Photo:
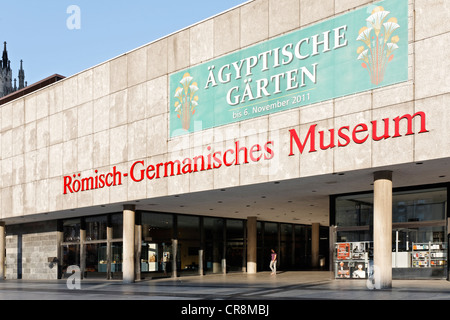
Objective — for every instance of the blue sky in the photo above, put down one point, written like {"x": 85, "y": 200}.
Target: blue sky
{"x": 37, "y": 32}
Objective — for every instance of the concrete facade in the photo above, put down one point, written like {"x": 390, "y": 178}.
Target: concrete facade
{"x": 117, "y": 112}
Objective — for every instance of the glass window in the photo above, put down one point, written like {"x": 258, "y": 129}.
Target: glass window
{"x": 189, "y": 241}
{"x": 214, "y": 236}
{"x": 270, "y": 242}
{"x": 260, "y": 245}
{"x": 117, "y": 225}
{"x": 302, "y": 245}
{"x": 354, "y": 210}
{"x": 188, "y": 227}
{"x": 426, "y": 205}
{"x": 96, "y": 228}
{"x": 157, "y": 226}
{"x": 419, "y": 237}
{"x": 235, "y": 230}
{"x": 157, "y": 234}
{"x": 235, "y": 245}
{"x": 92, "y": 258}
{"x": 103, "y": 257}
{"x": 356, "y": 235}
{"x": 271, "y": 236}
{"x": 286, "y": 250}
{"x": 71, "y": 256}
{"x": 117, "y": 256}
{"x": 71, "y": 230}
{"x": 407, "y": 206}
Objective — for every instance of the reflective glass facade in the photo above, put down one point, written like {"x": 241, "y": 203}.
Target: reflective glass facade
{"x": 180, "y": 244}
{"x": 419, "y": 228}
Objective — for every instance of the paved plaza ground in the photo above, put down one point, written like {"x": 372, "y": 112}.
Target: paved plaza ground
{"x": 233, "y": 286}
{"x": 230, "y": 296}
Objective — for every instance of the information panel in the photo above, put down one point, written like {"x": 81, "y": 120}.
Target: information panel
{"x": 354, "y": 52}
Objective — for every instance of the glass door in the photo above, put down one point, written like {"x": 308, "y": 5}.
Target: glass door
{"x": 402, "y": 246}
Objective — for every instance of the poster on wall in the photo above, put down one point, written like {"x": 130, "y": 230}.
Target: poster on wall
{"x": 359, "y": 270}
{"x": 343, "y": 270}
{"x": 358, "y": 250}
{"x": 343, "y": 251}
{"x": 354, "y": 52}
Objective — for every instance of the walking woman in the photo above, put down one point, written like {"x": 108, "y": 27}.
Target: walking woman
{"x": 273, "y": 262}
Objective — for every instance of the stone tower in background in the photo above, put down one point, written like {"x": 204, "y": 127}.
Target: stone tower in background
{"x": 6, "y": 79}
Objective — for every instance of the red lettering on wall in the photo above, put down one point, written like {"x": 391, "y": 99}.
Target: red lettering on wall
{"x": 359, "y": 133}
{"x": 300, "y": 145}
{"x": 237, "y": 155}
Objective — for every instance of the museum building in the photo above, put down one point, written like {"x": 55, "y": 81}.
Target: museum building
{"x": 317, "y": 129}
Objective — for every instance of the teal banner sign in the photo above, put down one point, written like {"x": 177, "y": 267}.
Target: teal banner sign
{"x": 355, "y": 52}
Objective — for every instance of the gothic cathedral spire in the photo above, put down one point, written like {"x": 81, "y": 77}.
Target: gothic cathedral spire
{"x": 6, "y": 80}
{"x": 21, "y": 76}
{"x": 4, "y": 57}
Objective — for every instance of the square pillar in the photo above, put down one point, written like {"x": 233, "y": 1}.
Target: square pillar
{"x": 251, "y": 244}
{"x": 138, "y": 251}
{"x": 128, "y": 244}
{"x": 174, "y": 258}
{"x": 83, "y": 248}
{"x": 382, "y": 229}
{"x": 315, "y": 240}
{"x": 109, "y": 236}
{"x": 201, "y": 250}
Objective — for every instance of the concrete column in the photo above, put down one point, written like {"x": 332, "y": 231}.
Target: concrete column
{"x": 109, "y": 236}
{"x": 382, "y": 229}
{"x": 315, "y": 245}
{"x": 244, "y": 251}
{"x": 251, "y": 245}
{"x": 137, "y": 246}
{"x": 138, "y": 251}
{"x": 217, "y": 238}
{"x": 200, "y": 262}
{"x": 217, "y": 267}
{"x": 331, "y": 248}
{"x": 174, "y": 258}
{"x": 293, "y": 246}
{"x": 59, "y": 253}
{"x": 2, "y": 251}
{"x": 224, "y": 248}
{"x": 201, "y": 259}
{"x": 128, "y": 243}
{"x": 82, "y": 248}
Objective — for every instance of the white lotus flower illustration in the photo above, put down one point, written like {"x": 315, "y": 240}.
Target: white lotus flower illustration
{"x": 364, "y": 55}
{"x": 379, "y": 51}
{"x": 391, "y": 47}
{"x": 364, "y": 36}
{"x": 389, "y": 27}
{"x": 185, "y": 81}
{"x": 179, "y": 93}
{"x": 376, "y": 20}
{"x": 187, "y": 100}
{"x": 193, "y": 88}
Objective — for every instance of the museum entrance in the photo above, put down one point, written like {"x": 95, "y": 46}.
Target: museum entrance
{"x": 178, "y": 244}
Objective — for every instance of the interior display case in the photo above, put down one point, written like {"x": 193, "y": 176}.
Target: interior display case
{"x": 429, "y": 255}
{"x": 352, "y": 259}
{"x": 149, "y": 257}
{"x": 116, "y": 261}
